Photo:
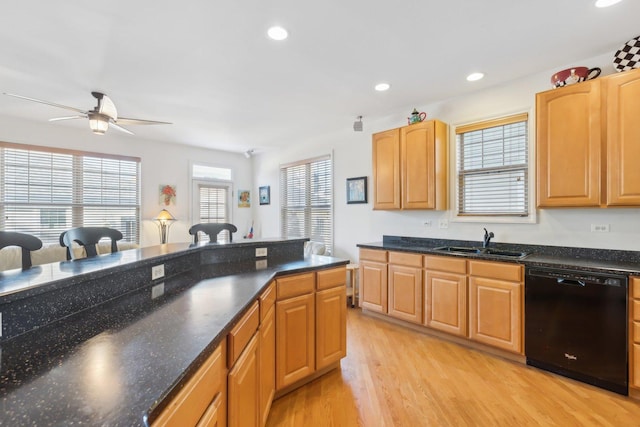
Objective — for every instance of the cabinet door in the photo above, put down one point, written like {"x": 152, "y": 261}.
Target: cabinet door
{"x": 445, "y": 302}
{"x": 623, "y": 134}
{"x": 405, "y": 293}
{"x": 386, "y": 170}
{"x": 373, "y": 284}
{"x": 267, "y": 363}
{"x": 569, "y": 145}
{"x": 331, "y": 326}
{"x": 295, "y": 339}
{"x": 243, "y": 382}
{"x": 495, "y": 313}
{"x": 423, "y": 165}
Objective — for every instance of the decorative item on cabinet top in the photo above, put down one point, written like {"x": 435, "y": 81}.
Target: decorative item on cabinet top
{"x": 416, "y": 117}
{"x": 574, "y": 75}
{"x": 628, "y": 56}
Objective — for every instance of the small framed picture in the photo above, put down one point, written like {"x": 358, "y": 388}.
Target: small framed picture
{"x": 265, "y": 195}
{"x": 357, "y": 190}
{"x": 244, "y": 199}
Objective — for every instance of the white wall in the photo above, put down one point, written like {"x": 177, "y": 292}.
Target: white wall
{"x": 162, "y": 163}
{"x": 360, "y": 223}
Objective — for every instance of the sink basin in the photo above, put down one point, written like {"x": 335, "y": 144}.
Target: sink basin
{"x": 482, "y": 251}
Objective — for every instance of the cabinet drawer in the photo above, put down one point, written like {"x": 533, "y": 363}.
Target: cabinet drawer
{"x": 189, "y": 405}
{"x": 496, "y": 270}
{"x": 443, "y": 263}
{"x": 242, "y": 333}
{"x": 404, "y": 258}
{"x": 298, "y": 284}
{"x": 331, "y": 278}
{"x": 635, "y": 306}
{"x": 373, "y": 255}
{"x": 634, "y": 284}
{"x": 636, "y": 332}
{"x": 267, "y": 300}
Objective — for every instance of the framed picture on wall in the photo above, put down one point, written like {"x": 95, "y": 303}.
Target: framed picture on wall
{"x": 265, "y": 195}
{"x": 357, "y": 190}
{"x": 244, "y": 199}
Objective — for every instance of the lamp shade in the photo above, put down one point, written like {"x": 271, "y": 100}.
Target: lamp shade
{"x": 98, "y": 123}
{"x": 164, "y": 216}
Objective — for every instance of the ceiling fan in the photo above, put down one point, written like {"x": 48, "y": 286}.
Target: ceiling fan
{"x": 100, "y": 118}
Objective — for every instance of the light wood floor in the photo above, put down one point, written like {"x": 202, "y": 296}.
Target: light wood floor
{"x": 393, "y": 376}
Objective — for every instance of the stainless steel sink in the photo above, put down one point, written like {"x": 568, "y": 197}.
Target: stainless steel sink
{"x": 482, "y": 251}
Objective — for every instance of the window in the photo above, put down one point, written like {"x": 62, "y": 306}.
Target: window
{"x": 45, "y": 191}
{"x": 306, "y": 198}
{"x": 493, "y": 171}
{"x": 212, "y": 194}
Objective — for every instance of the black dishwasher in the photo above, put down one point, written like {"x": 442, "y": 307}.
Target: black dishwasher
{"x": 576, "y": 325}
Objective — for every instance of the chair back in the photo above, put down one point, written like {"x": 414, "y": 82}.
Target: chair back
{"x": 27, "y": 242}
{"x": 89, "y": 237}
{"x": 212, "y": 230}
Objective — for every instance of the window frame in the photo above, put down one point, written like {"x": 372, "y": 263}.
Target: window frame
{"x": 196, "y": 182}
{"x": 329, "y": 244}
{"x": 454, "y": 215}
{"x": 76, "y": 205}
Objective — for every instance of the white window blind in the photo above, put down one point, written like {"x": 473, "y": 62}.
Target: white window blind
{"x": 45, "y": 191}
{"x": 213, "y": 207}
{"x": 306, "y": 198}
{"x": 493, "y": 167}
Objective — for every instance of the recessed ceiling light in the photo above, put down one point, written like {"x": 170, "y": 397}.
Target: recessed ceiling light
{"x": 606, "y": 3}
{"x": 475, "y": 77}
{"x": 381, "y": 87}
{"x": 277, "y": 33}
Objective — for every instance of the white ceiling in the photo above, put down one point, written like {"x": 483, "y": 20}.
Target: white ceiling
{"x": 208, "y": 67}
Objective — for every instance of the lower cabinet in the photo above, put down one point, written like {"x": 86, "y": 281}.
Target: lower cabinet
{"x": 331, "y": 318}
{"x": 445, "y": 296}
{"x": 495, "y": 304}
{"x": 202, "y": 401}
{"x": 267, "y": 332}
{"x": 243, "y": 383}
{"x": 634, "y": 335}
{"x": 405, "y": 286}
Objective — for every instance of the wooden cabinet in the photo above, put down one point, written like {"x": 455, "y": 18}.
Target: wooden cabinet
{"x": 295, "y": 328}
{"x": 634, "y": 335}
{"x": 495, "y": 304}
{"x": 267, "y": 366}
{"x": 410, "y": 167}
{"x": 373, "y": 280}
{"x": 405, "y": 286}
{"x": 587, "y": 137}
{"x": 445, "y": 297}
{"x": 623, "y": 134}
{"x": 386, "y": 169}
{"x": 202, "y": 400}
{"x": 243, "y": 383}
{"x": 311, "y": 331}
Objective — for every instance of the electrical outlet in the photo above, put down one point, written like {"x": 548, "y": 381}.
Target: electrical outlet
{"x": 157, "y": 271}
{"x": 261, "y": 252}
{"x": 444, "y": 223}
{"x": 157, "y": 290}
{"x": 0, "y": 324}
{"x": 599, "y": 228}
{"x": 427, "y": 224}
{"x": 261, "y": 264}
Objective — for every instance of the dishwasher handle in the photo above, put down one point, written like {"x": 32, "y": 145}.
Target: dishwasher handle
{"x": 572, "y": 282}
{"x": 578, "y": 278}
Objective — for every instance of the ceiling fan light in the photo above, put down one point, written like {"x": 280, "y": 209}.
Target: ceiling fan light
{"x": 98, "y": 124}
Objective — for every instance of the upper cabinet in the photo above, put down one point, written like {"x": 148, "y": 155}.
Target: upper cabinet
{"x": 410, "y": 167}
{"x": 587, "y": 142}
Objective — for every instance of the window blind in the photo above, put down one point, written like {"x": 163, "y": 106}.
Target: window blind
{"x": 45, "y": 191}
{"x": 493, "y": 167}
{"x": 213, "y": 208}
{"x": 306, "y": 199}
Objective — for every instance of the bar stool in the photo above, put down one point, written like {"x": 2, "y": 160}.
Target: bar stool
{"x": 27, "y": 242}
{"x": 352, "y": 283}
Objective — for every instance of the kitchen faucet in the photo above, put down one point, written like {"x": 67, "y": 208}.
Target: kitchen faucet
{"x": 487, "y": 238}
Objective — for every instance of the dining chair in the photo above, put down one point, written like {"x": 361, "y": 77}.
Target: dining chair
{"x": 27, "y": 242}
{"x": 212, "y": 229}
{"x": 88, "y": 237}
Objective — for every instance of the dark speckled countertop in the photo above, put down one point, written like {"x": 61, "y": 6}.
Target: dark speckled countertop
{"x": 112, "y": 365}
{"x": 586, "y": 259}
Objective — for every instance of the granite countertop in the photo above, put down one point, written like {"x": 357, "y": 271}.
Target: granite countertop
{"x": 584, "y": 259}
{"x": 115, "y": 363}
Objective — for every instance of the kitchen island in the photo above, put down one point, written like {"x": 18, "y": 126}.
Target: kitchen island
{"x": 117, "y": 358}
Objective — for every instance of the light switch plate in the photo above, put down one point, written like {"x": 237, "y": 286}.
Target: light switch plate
{"x": 599, "y": 228}
{"x": 261, "y": 252}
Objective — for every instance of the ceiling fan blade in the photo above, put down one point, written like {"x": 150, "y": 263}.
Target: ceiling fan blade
{"x": 106, "y": 105}
{"x": 47, "y": 102}
{"x": 126, "y": 121}
{"x": 120, "y": 128}
{"x": 56, "y": 119}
